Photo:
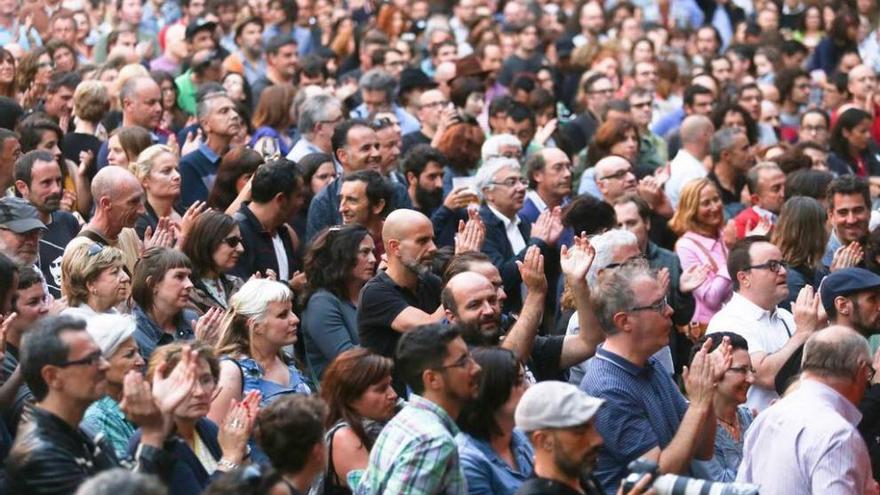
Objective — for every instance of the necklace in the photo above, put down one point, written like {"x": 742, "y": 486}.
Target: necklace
{"x": 731, "y": 427}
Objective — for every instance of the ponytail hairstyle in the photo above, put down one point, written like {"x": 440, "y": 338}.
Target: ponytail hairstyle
{"x": 248, "y": 307}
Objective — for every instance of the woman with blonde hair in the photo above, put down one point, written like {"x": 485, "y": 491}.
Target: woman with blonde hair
{"x": 699, "y": 221}
{"x": 156, "y": 169}
{"x": 272, "y": 119}
{"x": 801, "y": 236}
{"x": 94, "y": 279}
{"x": 259, "y": 324}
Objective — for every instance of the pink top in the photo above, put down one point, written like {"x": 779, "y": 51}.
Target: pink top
{"x": 696, "y": 249}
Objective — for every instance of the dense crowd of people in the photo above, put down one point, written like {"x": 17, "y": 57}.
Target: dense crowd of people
{"x": 439, "y": 247}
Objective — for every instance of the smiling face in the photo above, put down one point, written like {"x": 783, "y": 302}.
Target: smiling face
{"x": 849, "y": 216}
{"x": 710, "y": 211}
{"x": 508, "y": 192}
{"x": 737, "y": 380}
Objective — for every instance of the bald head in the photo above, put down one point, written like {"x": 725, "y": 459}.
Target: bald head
{"x": 111, "y": 180}
{"x": 401, "y": 223}
{"x": 836, "y": 352}
{"x": 468, "y": 282}
{"x": 471, "y": 301}
{"x": 610, "y": 164}
{"x": 696, "y": 128}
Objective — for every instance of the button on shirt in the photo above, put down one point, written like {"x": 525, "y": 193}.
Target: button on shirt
{"x": 764, "y": 331}
{"x": 643, "y": 409}
{"x": 415, "y": 454}
{"x": 808, "y": 443}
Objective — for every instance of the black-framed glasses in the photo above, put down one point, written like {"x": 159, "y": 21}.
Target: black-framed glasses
{"x": 91, "y": 360}
{"x": 772, "y": 265}
{"x": 638, "y": 259}
{"x": 441, "y": 103}
{"x": 461, "y": 362}
{"x": 383, "y": 123}
{"x": 657, "y": 307}
{"x": 95, "y": 249}
{"x": 643, "y": 104}
{"x": 513, "y": 181}
{"x": 620, "y": 174}
{"x": 233, "y": 241}
{"x": 743, "y": 370}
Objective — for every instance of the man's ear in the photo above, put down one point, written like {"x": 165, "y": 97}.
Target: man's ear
{"x": 411, "y": 179}
{"x": 449, "y": 315}
{"x": 22, "y": 188}
{"x": 50, "y": 376}
{"x": 843, "y": 306}
{"x": 620, "y": 320}
{"x": 391, "y": 245}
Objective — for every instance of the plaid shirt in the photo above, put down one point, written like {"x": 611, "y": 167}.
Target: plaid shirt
{"x": 415, "y": 454}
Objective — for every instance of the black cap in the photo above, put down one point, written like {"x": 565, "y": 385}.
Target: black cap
{"x": 412, "y": 78}
{"x": 846, "y": 281}
{"x": 199, "y": 25}
{"x": 19, "y": 216}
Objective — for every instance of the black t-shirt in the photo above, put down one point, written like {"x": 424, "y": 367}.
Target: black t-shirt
{"x": 412, "y": 139}
{"x": 61, "y": 230}
{"x": 728, "y": 197}
{"x": 546, "y": 354}
{"x": 75, "y": 142}
{"x": 382, "y": 300}
{"x": 544, "y": 486}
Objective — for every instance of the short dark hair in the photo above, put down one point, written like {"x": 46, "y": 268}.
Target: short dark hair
{"x": 418, "y": 157}
{"x": 461, "y": 263}
{"x": 289, "y": 428}
{"x": 846, "y": 185}
{"x": 641, "y": 205}
{"x": 42, "y": 346}
{"x": 500, "y": 104}
{"x": 811, "y": 183}
{"x": 32, "y": 129}
{"x": 243, "y": 24}
{"x": 588, "y": 214}
{"x": 378, "y": 188}
{"x": 150, "y": 269}
{"x": 208, "y": 231}
{"x": 340, "y": 134}
{"x": 462, "y": 87}
{"x": 519, "y": 112}
{"x": 313, "y": 65}
{"x": 737, "y": 342}
{"x": 421, "y": 349}
{"x": 69, "y": 80}
{"x": 500, "y": 374}
{"x": 785, "y": 79}
{"x": 277, "y": 43}
{"x": 24, "y": 166}
{"x": 691, "y": 92}
{"x": 278, "y": 176}
{"x": 793, "y": 47}
{"x": 739, "y": 259}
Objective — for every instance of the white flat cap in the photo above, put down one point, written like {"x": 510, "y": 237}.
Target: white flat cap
{"x": 553, "y": 404}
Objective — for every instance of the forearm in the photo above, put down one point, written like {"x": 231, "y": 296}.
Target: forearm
{"x": 714, "y": 291}
{"x": 706, "y": 447}
{"x": 590, "y": 332}
{"x": 676, "y": 457}
{"x": 10, "y": 387}
{"x": 521, "y": 336}
{"x": 767, "y": 367}
{"x": 83, "y": 195}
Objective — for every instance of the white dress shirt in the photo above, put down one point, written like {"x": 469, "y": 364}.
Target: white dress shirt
{"x": 808, "y": 443}
{"x": 682, "y": 169}
{"x": 511, "y": 228}
{"x": 764, "y": 331}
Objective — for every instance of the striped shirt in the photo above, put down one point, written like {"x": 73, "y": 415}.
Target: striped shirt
{"x": 415, "y": 454}
{"x": 808, "y": 443}
{"x": 643, "y": 409}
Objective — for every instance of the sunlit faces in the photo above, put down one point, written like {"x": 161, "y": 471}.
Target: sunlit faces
{"x": 508, "y": 191}
{"x": 163, "y": 181}
{"x": 737, "y": 380}
{"x": 228, "y": 252}
{"x": 417, "y": 248}
{"x": 555, "y": 176}
{"x": 760, "y": 278}
{"x": 110, "y": 287}
{"x": 31, "y": 305}
{"x": 85, "y": 381}
{"x": 115, "y": 153}
{"x": 197, "y": 404}
{"x": 377, "y": 402}
{"x": 45, "y": 189}
{"x": 710, "y": 211}
{"x": 279, "y": 325}
{"x": 126, "y": 358}
{"x": 173, "y": 290}
{"x": 354, "y": 205}
{"x": 849, "y": 216}
{"x": 365, "y": 265}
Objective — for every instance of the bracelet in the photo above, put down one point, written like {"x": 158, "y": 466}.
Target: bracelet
{"x": 226, "y": 465}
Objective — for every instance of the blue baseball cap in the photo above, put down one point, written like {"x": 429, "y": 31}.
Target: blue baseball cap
{"x": 846, "y": 281}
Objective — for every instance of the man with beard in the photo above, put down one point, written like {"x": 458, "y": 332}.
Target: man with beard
{"x": 38, "y": 180}
{"x": 849, "y": 211}
{"x": 423, "y": 169}
{"x": 508, "y": 235}
{"x": 248, "y": 58}
{"x": 406, "y": 294}
{"x": 20, "y": 230}
{"x": 549, "y": 173}
{"x": 356, "y": 147}
{"x": 416, "y": 452}
{"x": 773, "y": 334}
{"x": 645, "y": 413}
{"x": 558, "y": 418}
{"x": 220, "y": 122}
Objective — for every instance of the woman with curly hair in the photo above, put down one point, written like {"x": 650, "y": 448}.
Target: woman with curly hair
{"x": 461, "y": 144}
{"x": 33, "y": 76}
{"x": 392, "y": 21}
{"x": 338, "y": 264}
{"x": 731, "y": 115}
{"x": 360, "y": 400}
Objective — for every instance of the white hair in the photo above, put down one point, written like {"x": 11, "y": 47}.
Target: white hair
{"x": 492, "y": 146}
{"x": 110, "y": 330}
{"x": 605, "y": 244}
{"x": 253, "y": 298}
{"x": 486, "y": 173}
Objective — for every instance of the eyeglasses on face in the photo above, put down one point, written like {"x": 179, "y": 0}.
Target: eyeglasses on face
{"x": 620, "y": 174}
{"x": 91, "y": 360}
{"x": 513, "y": 181}
{"x": 463, "y": 362}
{"x": 772, "y": 265}
{"x": 657, "y": 307}
{"x": 638, "y": 259}
{"x": 233, "y": 241}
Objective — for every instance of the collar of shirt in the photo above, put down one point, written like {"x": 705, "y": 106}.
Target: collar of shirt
{"x": 208, "y": 152}
{"x": 749, "y": 309}
{"x": 536, "y": 199}
{"x": 419, "y": 402}
{"x": 837, "y": 401}
{"x": 506, "y": 221}
{"x": 765, "y": 213}
{"x": 624, "y": 364}
{"x": 145, "y": 322}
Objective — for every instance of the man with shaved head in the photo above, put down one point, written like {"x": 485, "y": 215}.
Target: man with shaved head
{"x": 119, "y": 201}
{"x": 696, "y": 135}
{"x": 405, "y": 295}
{"x": 141, "y": 102}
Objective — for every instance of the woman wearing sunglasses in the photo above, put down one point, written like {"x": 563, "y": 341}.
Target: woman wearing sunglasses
{"x": 213, "y": 246}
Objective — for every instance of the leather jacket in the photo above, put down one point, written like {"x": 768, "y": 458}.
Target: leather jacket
{"x": 49, "y": 457}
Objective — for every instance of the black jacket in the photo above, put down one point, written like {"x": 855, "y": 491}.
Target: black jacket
{"x": 50, "y": 457}
{"x": 544, "y": 486}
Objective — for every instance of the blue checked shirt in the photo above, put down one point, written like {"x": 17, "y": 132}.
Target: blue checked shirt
{"x": 415, "y": 454}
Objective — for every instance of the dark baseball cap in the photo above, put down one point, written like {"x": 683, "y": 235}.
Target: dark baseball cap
{"x": 199, "y": 25}
{"x": 19, "y": 216}
{"x": 846, "y": 281}
{"x": 412, "y": 78}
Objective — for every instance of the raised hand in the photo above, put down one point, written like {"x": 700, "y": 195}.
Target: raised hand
{"x": 237, "y": 427}
{"x": 85, "y": 161}
{"x": 576, "y": 260}
{"x": 531, "y": 269}
{"x": 138, "y": 404}
{"x": 663, "y": 278}
{"x": 192, "y": 142}
{"x": 298, "y": 282}
{"x": 761, "y": 227}
{"x": 722, "y": 358}
{"x": 693, "y": 277}
{"x": 806, "y": 310}
{"x": 651, "y": 190}
{"x": 541, "y": 227}
{"x": 170, "y": 392}
{"x": 4, "y": 329}
{"x": 471, "y": 234}
{"x": 161, "y": 237}
{"x": 189, "y": 220}
{"x": 68, "y": 199}
{"x": 544, "y": 133}
{"x": 847, "y": 256}
{"x": 699, "y": 378}
{"x": 207, "y": 328}
{"x": 729, "y": 233}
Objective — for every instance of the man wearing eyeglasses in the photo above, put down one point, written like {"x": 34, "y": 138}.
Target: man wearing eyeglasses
{"x": 645, "y": 414}
{"x": 652, "y": 148}
{"x": 772, "y": 333}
